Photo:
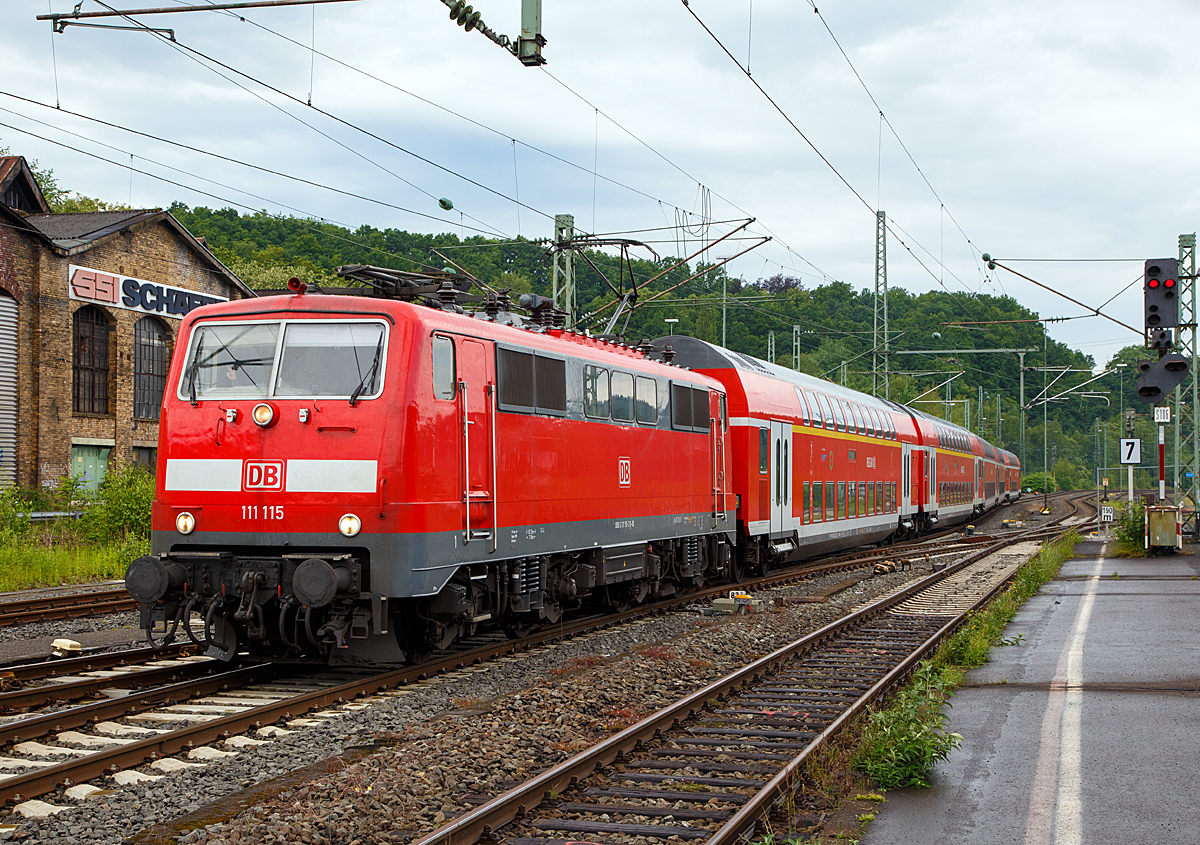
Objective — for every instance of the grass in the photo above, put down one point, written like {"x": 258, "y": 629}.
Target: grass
{"x": 113, "y": 530}
{"x": 901, "y": 744}
{"x": 27, "y": 565}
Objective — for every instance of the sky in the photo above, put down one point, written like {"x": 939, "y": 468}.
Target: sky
{"x": 1057, "y": 137}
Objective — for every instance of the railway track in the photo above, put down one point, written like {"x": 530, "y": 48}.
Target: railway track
{"x": 186, "y": 704}
{"x": 64, "y": 606}
{"x": 716, "y": 762}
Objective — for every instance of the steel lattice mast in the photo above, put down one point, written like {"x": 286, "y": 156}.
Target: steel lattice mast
{"x": 1187, "y": 397}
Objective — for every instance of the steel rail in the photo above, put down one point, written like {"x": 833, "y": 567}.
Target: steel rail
{"x": 68, "y": 606}
{"x": 39, "y": 669}
{"x": 72, "y": 690}
{"x": 484, "y": 820}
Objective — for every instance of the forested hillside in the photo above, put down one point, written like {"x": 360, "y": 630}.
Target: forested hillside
{"x": 834, "y": 320}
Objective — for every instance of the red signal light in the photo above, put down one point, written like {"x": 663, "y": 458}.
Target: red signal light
{"x": 1168, "y": 283}
{"x": 1152, "y": 283}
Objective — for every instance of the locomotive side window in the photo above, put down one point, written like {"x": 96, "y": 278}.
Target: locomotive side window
{"x": 595, "y": 391}
{"x": 551, "y": 376}
{"x": 681, "y": 407}
{"x": 515, "y": 379}
{"x": 764, "y": 451}
{"x": 444, "y": 381}
{"x": 529, "y": 382}
{"x": 622, "y": 397}
{"x": 647, "y": 400}
{"x": 724, "y": 413}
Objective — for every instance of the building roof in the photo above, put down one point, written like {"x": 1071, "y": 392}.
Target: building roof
{"x": 83, "y": 227}
{"x": 19, "y": 189}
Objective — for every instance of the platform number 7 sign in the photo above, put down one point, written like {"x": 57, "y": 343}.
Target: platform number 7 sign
{"x": 1131, "y": 450}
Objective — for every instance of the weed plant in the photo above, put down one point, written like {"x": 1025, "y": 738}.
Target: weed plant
{"x": 1129, "y": 529}
{"x": 113, "y": 530}
{"x": 901, "y": 744}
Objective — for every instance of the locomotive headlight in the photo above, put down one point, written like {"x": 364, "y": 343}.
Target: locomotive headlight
{"x": 263, "y": 414}
{"x": 349, "y": 525}
{"x": 185, "y": 523}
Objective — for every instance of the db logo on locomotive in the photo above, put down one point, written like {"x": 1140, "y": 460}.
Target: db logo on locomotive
{"x": 623, "y": 472}
{"x": 262, "y": 475}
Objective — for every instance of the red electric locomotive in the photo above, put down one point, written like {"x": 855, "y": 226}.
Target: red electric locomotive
{"x": 368, "y": 479}
{"x": 371, "y": 479}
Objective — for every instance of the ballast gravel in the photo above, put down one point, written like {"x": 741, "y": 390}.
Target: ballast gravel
{"x": 468, "y": 735}
{"x": 443, "y": 743}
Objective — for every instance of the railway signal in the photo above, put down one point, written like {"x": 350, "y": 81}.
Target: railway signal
{"x": 1161, "y": 287}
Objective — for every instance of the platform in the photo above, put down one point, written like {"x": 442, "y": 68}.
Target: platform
{"x": 1087, "y": 731}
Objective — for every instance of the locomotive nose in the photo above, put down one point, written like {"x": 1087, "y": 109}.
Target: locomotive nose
{"x": 148, "y": 579}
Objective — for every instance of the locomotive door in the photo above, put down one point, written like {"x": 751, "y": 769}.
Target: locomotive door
{"x": 716, "y": 453}
{"x": 477, "y": 397}
{"x": 781, "y": 475}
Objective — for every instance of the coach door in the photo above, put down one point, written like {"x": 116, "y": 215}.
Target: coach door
{"x": 781, "y": 475}
{"x": 477, "y": 402}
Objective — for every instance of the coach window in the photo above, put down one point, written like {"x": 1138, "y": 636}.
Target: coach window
{"x": 807, "y": 503}
{"x": 803, "y": 405}
{"x": 851, "y": 503}
{"x": 870, "y": 421}
{"x": 830, "y": 500}
{"x": 858, "y": 419}
{"x": 818, "y": 504}
{"x": 862, "y": 498}
{"x": 764, "y": 450}
{"x": 647, "y": 400}
{"x": 90, "y": 371}
{"x": 888, "y": 428}
{"x": 595, "y": 391}
{"x": 443, "y": 368}
{"x": 815, "y": 408}
{"x": 872, "y": 506}
{"x": 838, "y": 415}
{"x": 841, "y": 500}
{"x": 622, "y": 396}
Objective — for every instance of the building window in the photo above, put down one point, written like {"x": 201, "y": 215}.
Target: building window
{"x": 146, "y": 457}
{"x": 90, "y": 382}
{"x": 150, "y": 357}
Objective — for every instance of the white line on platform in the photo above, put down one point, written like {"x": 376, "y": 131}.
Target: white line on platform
{"x": 1059, "y": 759}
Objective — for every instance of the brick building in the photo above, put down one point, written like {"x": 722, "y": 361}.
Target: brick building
{"x": 90, "y": 305}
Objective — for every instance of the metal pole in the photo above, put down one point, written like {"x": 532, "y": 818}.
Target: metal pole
{"x": 881, "y": 344}
{"x": 1045, "y": 421}
{"x": 563, "y": 282}
{"x": 1021, "y": 357}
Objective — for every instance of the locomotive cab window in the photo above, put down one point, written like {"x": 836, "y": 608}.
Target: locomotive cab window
{"x": 444, "y": 381}
{"x": 286, "y": 359}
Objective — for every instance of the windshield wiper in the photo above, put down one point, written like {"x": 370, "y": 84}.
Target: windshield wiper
{"x": 195, "y": 367}
{"x": 370, "y": 374}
